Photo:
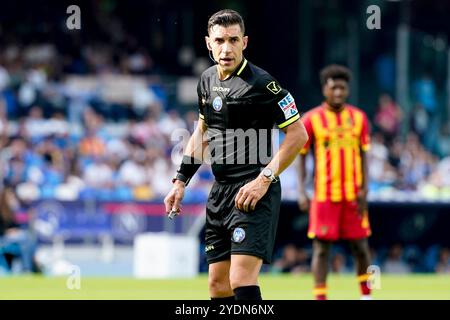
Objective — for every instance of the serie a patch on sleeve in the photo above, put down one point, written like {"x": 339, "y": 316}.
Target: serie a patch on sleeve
{"x": 273, "y": 87}
{"x": 287, "y": 104}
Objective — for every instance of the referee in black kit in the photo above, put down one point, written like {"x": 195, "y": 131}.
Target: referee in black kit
{"x": 239, "y": 104}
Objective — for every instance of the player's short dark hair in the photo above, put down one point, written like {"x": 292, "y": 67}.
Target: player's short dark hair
{"x": 335, "y": 71}
{"x": 226, "y": 18}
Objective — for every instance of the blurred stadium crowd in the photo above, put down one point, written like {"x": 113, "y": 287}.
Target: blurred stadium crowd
{"x": 396, "y": 259}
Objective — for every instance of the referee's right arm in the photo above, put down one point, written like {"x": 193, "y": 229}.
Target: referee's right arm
{"x": 197, "y": 143}
{"x": 192, "y": 159}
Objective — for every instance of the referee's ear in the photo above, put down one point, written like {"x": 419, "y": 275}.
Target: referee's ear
{"x": 208, "y": 45}
{"x": 245, "y": 41}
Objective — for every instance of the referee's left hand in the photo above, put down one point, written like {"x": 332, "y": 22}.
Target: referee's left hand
{"x": 249, "y": 195}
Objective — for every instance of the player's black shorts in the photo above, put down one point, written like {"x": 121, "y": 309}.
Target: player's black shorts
{"x": 231, "y": 231}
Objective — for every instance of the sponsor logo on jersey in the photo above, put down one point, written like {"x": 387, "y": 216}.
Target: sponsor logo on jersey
{"x": 287, "y": 104}
{"x": 273, "y": 87}
{"x": 220, "y": 89}
{"x": 209, "y": 248}
{"x": 238, "y": 235}
{"x": 217, "y": 103}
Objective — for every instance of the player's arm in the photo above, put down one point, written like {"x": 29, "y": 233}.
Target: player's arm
{"x": 303, "y": 200}
{"x": 192, "y": 160}
{"x": 362, "y": 193}
{"x": 364, "y": 148}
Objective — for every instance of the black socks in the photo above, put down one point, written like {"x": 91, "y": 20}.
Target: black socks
{"x": 242, "y": 293}
{"x": 247, "y": 293}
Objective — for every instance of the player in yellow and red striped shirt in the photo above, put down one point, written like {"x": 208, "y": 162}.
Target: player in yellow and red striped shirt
{"x": 339, "y": 138}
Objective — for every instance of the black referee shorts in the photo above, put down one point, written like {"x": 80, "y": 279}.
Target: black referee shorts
{"x": 231, "y": 231}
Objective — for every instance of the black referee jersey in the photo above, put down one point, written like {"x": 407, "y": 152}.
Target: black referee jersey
{"x": 240, "y": 113}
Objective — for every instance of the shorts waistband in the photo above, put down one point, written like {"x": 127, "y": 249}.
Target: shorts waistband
{"x": 237, "y": 180}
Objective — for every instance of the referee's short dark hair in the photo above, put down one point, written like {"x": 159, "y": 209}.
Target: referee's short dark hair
{"x": 335, "y": 71}
{"x": 226, "y": 18}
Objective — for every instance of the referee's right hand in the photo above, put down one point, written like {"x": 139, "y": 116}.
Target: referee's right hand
{"x": 173, "y": 199}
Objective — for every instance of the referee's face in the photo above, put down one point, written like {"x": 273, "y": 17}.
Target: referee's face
{"x": 227, "y": 45}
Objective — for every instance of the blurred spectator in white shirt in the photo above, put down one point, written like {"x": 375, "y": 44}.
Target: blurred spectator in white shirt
{"x": 171, "y": 122}
{"x": 99, "y": 174}
{"x": 380, "y": 170}
{"x": 132, "y": 172}
{"x": 160, "y": 170}
{"x": 35, "y": 124}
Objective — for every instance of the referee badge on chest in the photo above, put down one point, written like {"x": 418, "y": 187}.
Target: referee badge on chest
{"x": 217, "y": 103}
{"x": 238, "y": 235}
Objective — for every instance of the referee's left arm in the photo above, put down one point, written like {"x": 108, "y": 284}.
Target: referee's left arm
{"x": 282, "y": 106}
{"x": 249, "y": 195}
{"x": 295, "y": 139}
{"x": 284, "y": 110}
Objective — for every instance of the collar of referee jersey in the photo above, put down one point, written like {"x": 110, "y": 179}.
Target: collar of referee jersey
{"x": 239, "y": 69}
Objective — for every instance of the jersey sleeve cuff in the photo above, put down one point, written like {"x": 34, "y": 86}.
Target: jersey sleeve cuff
{"x": 289, "y": 121}
{"x": 201, "y": 116}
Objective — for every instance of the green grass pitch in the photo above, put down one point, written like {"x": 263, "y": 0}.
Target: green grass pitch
{"x": 274, "y": 287}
